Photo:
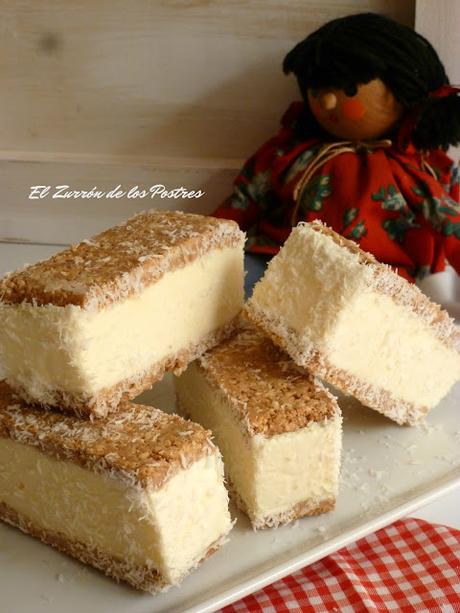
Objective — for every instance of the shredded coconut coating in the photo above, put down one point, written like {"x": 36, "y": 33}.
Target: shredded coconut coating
{"x": 121, "y": 261}
{"x": 267, "y": 391}
{"x": 140, "y": 445}
{"x": 386, "y": 281}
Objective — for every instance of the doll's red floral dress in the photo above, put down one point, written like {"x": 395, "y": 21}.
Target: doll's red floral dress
{"x": 397, "y": 203}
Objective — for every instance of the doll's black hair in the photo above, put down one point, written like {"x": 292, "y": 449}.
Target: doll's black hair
{"x": 353, "y": 50}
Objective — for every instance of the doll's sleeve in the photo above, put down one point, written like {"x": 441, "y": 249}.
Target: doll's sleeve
{"x": 243, "y": 203}
{"x": 451, "y": 229}
{"x": 454, "y": 182}
{"x": 253, "y": 189}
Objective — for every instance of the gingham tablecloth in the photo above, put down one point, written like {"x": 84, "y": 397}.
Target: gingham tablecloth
{"x": 410, "y": 566}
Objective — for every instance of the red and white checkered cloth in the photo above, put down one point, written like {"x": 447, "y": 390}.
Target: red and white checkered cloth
{"x": 410, "y": 566}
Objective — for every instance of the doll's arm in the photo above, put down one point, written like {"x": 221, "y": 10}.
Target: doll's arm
{"x": 252, "y": 190}
{"x": 452, "y": 227}
{"x": 242, "y": 205}
{"x": 454, "y": 184}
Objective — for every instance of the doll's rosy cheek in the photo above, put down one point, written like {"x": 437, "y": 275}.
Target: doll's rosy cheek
{"x": 353, "y": 109}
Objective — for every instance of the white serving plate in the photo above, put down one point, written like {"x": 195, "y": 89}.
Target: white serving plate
{"x": 388, "y": 471}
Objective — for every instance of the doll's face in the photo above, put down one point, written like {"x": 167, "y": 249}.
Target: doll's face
{"x": 370, "y": 113}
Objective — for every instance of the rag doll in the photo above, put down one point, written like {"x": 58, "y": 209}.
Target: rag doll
{"x": 364, "y": 151}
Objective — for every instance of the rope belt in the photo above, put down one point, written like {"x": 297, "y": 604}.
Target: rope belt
{"x": 325, "y": 153}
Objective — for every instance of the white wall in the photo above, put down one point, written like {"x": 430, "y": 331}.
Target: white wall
{"x": 178, "y": 92}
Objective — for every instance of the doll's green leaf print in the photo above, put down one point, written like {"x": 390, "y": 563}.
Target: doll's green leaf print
{"x": 300, "y": 164}
{"x": 451, "y": 228}
{"x": 358, "y": 231}
{"x": 255, "y": 189}
{"x": 349, "y": 216}
{"x": 438, "y": 211}
{"x": 397, "y": 228}
{"x": 390, "y": 198}
{"x": 315, "y": 192}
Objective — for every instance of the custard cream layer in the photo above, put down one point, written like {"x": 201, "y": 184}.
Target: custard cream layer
{"x": 81, "y": 351}
{"x": 270, "y": 474}
{"x": 168, "y": 530}
{"x": 320, "y": 291}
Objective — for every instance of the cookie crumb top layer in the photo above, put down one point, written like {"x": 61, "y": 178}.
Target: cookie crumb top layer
{"x": 268, "y": 392}
{"x": 120, "y": 261}
{"x": 141, "y": 445}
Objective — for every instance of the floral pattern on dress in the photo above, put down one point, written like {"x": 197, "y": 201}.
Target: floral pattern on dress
{"x": 315, "y": 192}
{"x": 396, "y": 203}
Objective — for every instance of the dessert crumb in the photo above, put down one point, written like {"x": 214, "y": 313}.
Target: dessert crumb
{"x": 60, "y": 577}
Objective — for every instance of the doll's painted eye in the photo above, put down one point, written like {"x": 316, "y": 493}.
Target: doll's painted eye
{"x": 329, "y": 101}
{"x": 350, "y": 91}
{"x": 314, "y": 92}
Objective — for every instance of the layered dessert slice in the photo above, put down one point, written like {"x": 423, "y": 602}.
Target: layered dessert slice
{"x": 358, "y": 325}
{"x": 278, "y": 428}
{"x": 139, "y": 495}
{"x": 104, "y": 319}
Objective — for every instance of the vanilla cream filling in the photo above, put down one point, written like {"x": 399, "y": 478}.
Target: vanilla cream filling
{"x": 168, "y": 530}
{"x": 81, "y": 351}
{"x": 297, "y": 466}
{"x": 320, "y": 291}
{"x": 387, "y": 345}
{"x": 270, "y": 474}
{"x": 205, "y": 405}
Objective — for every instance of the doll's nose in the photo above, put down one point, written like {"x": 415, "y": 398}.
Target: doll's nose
{"x": 328, "y": 101}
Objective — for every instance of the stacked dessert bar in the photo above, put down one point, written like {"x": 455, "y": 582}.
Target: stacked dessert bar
{"x": 129, "y": 489}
